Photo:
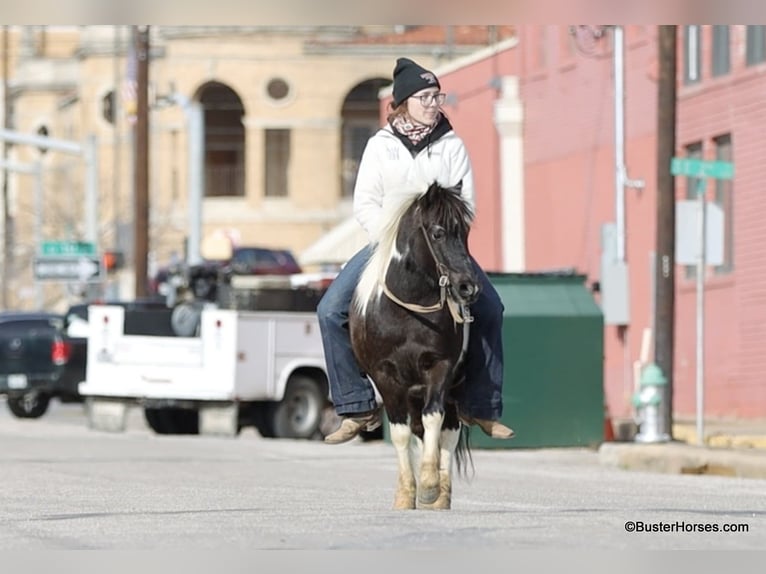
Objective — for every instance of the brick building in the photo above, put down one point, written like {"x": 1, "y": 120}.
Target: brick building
{"x": 566, "y": 84}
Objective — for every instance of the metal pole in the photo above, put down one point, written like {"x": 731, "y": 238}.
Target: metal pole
{"x": 91, "y": 190}
{"x": 196, "y": 164}
{"x": 39, "y": 206}
{"x": 701, "y": 267}
{"x": 619, "y": 140}
{"x": 195, "y": 134}
{"x": 42, "y": 142}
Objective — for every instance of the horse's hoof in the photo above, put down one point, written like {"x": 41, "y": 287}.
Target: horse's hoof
{"x": 442, "y": 503}
{"x": 404, "y": 503}
{"x": 428, "y": 495}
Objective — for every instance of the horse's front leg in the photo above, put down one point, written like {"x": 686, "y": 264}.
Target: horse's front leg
{"x": 433, "y": 417}
{"x": 405, "y": 486}
{"x": 428, "y": 489}
{"x": 449, "y": 440}
{"x": 401, "y": 435}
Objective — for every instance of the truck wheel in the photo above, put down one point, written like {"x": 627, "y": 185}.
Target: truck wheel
{"x": 299, "y": 413}
{"x": 29, "y": 406}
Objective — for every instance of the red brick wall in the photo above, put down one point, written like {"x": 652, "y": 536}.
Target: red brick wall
{"x": 569, "y": 126}
{"x": 736, "y": 304}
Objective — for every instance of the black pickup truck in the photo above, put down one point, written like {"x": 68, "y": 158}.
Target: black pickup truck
{"x": 34, "y": 354}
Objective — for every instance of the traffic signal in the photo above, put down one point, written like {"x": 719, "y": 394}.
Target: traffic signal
{"x": 113, "y": 260}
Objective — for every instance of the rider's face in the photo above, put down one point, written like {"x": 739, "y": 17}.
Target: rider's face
{"x": 423, "y": 106}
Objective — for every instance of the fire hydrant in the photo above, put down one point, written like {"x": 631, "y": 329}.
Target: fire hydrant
{"x": 647, "y": 401}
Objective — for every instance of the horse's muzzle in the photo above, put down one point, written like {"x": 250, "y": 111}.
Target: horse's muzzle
{"x": 467, "y": 291}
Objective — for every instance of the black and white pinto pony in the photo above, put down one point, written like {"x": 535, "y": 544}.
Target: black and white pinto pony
{"x": 409, "y": 323}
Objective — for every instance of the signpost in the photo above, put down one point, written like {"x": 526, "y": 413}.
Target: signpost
{"x": 83, "y": 269}
{"x": 67, "y": 248}
{"x": 701, "y": 169}
{"x": 68, "y": 261}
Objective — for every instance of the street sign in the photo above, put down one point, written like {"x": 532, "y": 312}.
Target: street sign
{"x": 701, "y": 170}
{"x": 67, "y": 248}
{"x": 687, "y": 230}
{"x": 693, "y": 167}
{"x": 84, "y": 269}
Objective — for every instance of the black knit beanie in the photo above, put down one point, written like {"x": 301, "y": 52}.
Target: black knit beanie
{"x": 410, "y": 78}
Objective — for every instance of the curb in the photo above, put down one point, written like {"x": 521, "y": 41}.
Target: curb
{"x": 680, "y": 458}
{"x": 688, "y": 434}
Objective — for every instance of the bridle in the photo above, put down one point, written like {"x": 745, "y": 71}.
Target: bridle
{"x": 460, "y": 313}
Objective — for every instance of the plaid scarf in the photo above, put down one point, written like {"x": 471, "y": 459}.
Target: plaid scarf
{"x": 414, "y": 131}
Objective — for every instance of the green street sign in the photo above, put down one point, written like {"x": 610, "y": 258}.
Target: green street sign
{"x": 67, "y": 248}
{"x": 693, "y": 167}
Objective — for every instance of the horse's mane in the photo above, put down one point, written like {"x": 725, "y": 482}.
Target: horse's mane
{"x": 453, "y": 207}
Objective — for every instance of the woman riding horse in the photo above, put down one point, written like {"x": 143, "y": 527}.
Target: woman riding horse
{"x": 417, "y": 138}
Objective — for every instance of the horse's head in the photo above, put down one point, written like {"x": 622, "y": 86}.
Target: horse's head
{"x": 438, "y": 240}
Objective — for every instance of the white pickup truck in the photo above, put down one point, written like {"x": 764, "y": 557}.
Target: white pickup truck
{"x": 260, "y": 368}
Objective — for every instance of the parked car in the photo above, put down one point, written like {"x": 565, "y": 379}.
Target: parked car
{"x": 203, "y": 280}
{"x": 34, "y": 352}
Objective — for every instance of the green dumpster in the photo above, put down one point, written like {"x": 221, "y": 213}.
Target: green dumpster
{"x": 553, "y": 339}
{"x": 553, "y": 346}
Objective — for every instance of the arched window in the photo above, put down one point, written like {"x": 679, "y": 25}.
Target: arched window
{"x": 360, "y": 119}
{"x": 224, "y": 141}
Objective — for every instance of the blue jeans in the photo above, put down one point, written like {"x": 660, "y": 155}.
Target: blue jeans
{"x": 350, "y": 389}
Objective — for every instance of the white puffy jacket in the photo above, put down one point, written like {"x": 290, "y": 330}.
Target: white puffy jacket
{"x": 387, "y": 166}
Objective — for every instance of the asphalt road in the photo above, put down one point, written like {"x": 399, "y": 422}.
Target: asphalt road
{"x": 66, "y": 487}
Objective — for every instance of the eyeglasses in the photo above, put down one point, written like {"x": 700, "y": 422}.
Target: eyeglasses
{"x": 426, "y": 99}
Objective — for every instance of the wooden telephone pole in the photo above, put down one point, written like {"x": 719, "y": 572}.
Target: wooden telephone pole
{"x": 141, "y": 215}
{"x": 665, "y": 281}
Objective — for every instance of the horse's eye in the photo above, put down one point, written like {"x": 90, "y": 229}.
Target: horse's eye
{"x": 438, "y": 233}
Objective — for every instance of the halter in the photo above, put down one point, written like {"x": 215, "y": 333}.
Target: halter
{"x": 460, "y": 313}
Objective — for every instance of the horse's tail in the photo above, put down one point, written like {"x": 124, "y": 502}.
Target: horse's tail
{"x": 463, "y": 458}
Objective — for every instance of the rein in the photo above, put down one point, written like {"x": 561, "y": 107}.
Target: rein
{"x": 460, "y": 313}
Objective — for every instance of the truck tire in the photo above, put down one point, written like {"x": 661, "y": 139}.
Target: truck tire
{"x": 299, "y": 413}
{"x": 29, "y": 406}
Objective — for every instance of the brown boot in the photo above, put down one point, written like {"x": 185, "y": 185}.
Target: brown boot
{"x": 495, "y": 429}
{"x": 352, "y": 425}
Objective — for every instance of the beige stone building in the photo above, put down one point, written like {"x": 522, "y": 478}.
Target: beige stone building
{"x": 287, "y": 111}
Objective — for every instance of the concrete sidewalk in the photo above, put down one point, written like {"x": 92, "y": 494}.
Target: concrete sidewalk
{"x": 732, "y": 448}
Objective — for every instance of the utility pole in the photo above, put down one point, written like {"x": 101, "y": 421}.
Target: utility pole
{"x": 141, "y": 216}
{"x": 7, "y": 220}
{"x": 665, "y": 264}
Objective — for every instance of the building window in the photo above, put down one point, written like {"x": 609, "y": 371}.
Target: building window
{"x": 361, "y": 119}
{"x": 755, "y": 51}
{"x": 692, "y": 187}
{"x": 224, "y": 141}
{"x": 721, "y": 61}
{"x": 355, "y": 139}
{"x": 692, "y": 54}
{"x": 277, "y": 162}
{"x": 724, "y": 198}
{"x": 278, "y": 89}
